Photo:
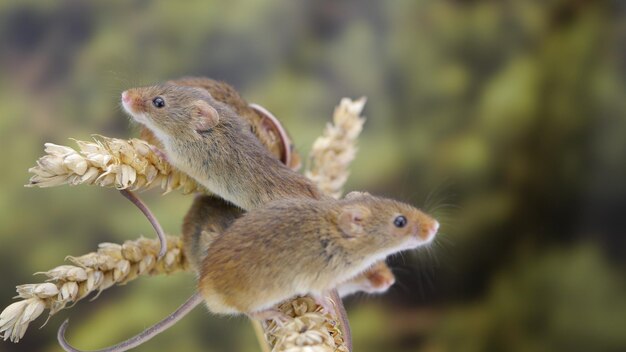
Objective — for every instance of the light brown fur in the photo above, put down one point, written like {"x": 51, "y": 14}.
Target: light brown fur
{"x": 297, "y": 247}
{"x": 263, "y": 128}
{"x": 210, "y": 216}
{"x": 226, "y": 158}
{"x": 266, "y": 132}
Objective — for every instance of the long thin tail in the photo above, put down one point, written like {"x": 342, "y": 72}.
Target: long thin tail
{"x": 343, "y": 316}
{"x": 153, "y": 221}
{"x": 142, "y": 337}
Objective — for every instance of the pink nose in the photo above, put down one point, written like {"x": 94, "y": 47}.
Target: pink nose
{"x": 435, "y": 227}
{"x": 430, "y": 230}
{"x": 125, "y": 97}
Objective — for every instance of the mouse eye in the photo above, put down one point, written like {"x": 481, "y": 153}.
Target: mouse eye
{"x": 158, "y": 102}
{"x": 400, "y": 221}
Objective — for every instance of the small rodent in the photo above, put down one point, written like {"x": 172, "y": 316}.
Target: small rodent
{"x": 263, "y": 124}
{"x": 303, "y": 246}
{"x": 210, "y": 216}
{"x": 208, "y": 141}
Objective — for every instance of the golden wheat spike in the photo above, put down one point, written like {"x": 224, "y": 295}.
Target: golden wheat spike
{"x": 109, "y": 162}
{"x": 111, "y": 264}
{"x": 333, "y": 152}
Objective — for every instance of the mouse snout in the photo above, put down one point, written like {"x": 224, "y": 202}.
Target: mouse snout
{"x": 429, "y": 229}
{"x": 132, "y": 102}
{"x": 125, "y": 97}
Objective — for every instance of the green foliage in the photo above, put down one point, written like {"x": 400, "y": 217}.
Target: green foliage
{"x": 567, "y": 300}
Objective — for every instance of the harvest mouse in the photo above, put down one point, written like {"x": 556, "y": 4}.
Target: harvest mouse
{"x": 263, "y": 124}
{"x": 295, "y": 247}
{"x": 208, "y": 141}
{"x": 302, "y": 246}
{"x": 210, "y": 216}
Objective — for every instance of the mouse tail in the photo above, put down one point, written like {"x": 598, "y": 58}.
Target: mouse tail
{"x": 343, "y": 317}
{"x": 142, "y": 337}
{"x": 151, "y": 218}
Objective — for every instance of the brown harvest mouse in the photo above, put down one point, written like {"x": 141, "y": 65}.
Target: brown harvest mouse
{"x": 302, "y": 246}
{"x": 210, "y": 216}
{"x": 208, "y": 141}
{"x": 296, "y": 247}
{"x": 263, "y": 124}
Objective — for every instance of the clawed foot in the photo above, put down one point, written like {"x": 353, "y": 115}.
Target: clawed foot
{"x": 325, "y": 302}
{"x": 160, "y": 153}
{"x": 276, "y": 315}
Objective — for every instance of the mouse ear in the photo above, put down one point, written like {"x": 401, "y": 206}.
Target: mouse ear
{"x": 351, "y": 219}
{"x": 271, "y": 123}
{"x": 206, "y": 117}
{"x": 356, "y": 194}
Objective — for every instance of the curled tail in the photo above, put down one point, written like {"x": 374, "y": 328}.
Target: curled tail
{"x": 142, "y": 337}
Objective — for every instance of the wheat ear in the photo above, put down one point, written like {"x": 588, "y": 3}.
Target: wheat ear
{"x": 111, "y": 264}
{"x": 332, "y": 153}
{"x": 109, "y": 162}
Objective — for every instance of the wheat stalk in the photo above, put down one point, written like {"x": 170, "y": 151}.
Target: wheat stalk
{"x": 134, "y": 165}
{"x": 111, "y": 264}
{"x": 109, "y": 162}
{"x": 312, "y": 329}
{"x": 333, "y": 152}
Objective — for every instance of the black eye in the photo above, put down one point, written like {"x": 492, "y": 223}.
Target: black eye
{"x": 399, "y": 221}
{"x": 158, "y": 102}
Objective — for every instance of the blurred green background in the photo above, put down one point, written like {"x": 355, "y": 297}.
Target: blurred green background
{"x": 505, "y": 119}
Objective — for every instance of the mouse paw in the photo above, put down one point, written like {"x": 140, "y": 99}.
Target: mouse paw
{"x": 160, "y": 153}
{"x": 272, "y": 314}
{"x": 325, "y": 302}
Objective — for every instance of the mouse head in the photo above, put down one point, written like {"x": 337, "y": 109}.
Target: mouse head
{"x": 372, "y": 225}
{"x": 170, "y": 110}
